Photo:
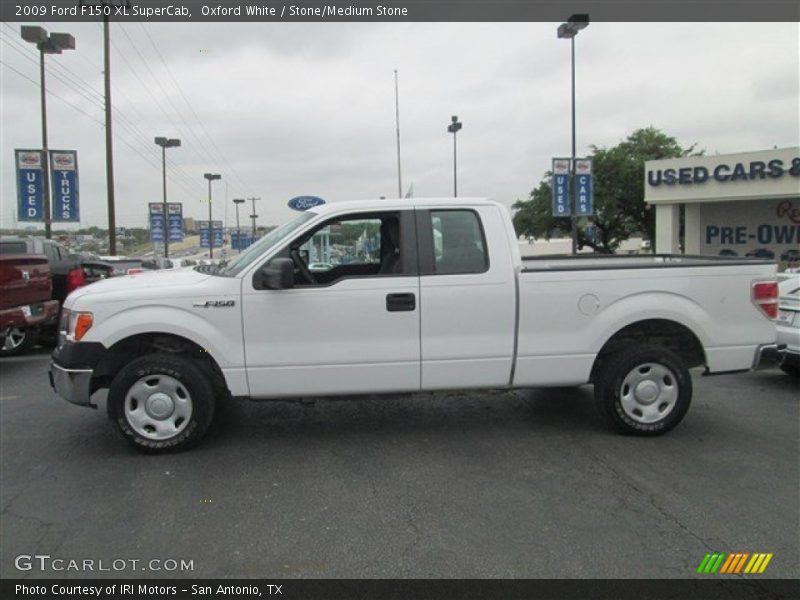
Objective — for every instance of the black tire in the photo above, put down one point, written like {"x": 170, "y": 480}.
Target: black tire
{"x": 792, "y": 369}
{"x": 18, "y": 341}
{"x": 669, "y": 379}
{"x": 194, "y": 383}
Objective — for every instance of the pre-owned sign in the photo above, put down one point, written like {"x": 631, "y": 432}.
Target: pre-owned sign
{"x": 30, "y": 189}
{"x": 64, "y": 185}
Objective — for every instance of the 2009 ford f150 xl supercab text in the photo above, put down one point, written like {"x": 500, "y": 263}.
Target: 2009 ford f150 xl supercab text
{"x": 405, "y": 296}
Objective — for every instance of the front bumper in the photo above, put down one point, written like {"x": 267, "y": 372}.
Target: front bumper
{"x": 71, "y": 370}
{"x": 73, "y": 385}
{"x": 768, "y": 355}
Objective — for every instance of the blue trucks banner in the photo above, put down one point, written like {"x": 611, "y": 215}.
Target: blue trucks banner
{"x": 205, "y": 234}
{"x": 561, "y": 206}
{"x": 584, "y": 198}
{"x": 64, "y": 186}
{"x": 30, "y": 180}
{"x": 216, "y": 234}
{"x": 175, "y": 221}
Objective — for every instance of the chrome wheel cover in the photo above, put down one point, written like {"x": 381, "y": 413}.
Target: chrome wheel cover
{"x": 158, "y": 407}
{"x": 648, "y": 393}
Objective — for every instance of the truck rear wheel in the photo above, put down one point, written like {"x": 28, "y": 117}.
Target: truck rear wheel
{"x": 18, "y": 341}
{"x": 643, "y": 390}
{"x": 161, "y": 403}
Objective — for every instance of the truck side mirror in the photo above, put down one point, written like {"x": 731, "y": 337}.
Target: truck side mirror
{"x": 278, "y": 274}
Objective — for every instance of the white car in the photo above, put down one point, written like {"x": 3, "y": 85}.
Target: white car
{"x": 434, "y": 296}
{"x": 788, "y": 323}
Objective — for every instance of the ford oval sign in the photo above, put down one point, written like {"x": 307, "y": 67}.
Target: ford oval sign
{"x": 305, "y": 202}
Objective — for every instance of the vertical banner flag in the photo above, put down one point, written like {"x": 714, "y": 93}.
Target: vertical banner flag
{"x": 216, "y": 233}
{"x": 584, "y": 199}
{"x": 156, "y": 222}
{"x": 30, "y": 190}
{"x": 205, "y": 234}
{"x": 175, "y": 221}
{"x": 561, "y": 187}
{"x": 64, "y": 185}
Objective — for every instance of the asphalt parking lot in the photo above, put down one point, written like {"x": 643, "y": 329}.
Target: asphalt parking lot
{"x": 523, "y": 484}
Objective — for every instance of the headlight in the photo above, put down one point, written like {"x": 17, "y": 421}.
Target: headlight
{"x": 74, "y": 325}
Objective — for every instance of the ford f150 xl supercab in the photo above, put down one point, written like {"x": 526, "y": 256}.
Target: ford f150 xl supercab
{"x": 408, "y": 295}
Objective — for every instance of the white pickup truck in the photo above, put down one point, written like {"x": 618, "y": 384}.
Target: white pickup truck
{"x": 408, "y": 295}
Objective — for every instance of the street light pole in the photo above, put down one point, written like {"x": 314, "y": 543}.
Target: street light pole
{"x": 254, "y": 216}
{"x": 47, "y": 44}
{"x": 166, "y": 143}
{"x": 569, "y": 30}
{"x": 453, "y": 128}
{"x": 211, "y": 177}
{"x": 237, "y": 202}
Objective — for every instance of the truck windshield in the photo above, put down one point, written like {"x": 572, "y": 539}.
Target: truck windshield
{"x": 274, "y": 237}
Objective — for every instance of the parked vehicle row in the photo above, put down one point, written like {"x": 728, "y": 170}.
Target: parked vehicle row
{"x": 26, "y": 300}
{"x": 791, "y": 255}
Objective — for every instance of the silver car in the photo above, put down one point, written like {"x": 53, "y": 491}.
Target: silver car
{"x": 788, "y": 323}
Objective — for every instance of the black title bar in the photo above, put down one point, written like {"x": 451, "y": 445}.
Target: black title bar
{"x": 398, "y": 10}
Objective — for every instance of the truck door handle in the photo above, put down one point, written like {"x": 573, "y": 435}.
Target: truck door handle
{"x": 398, "y": 302}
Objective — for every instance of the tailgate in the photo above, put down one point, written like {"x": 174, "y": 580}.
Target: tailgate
{"x": 24, "y": 279}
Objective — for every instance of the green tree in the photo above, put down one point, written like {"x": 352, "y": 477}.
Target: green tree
{"x": 619, "y": 205}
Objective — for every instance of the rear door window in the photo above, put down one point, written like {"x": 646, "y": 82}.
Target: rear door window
{"x": 459, "y": 245}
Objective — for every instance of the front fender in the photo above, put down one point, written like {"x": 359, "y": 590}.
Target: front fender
{"x": 220, "y": 336}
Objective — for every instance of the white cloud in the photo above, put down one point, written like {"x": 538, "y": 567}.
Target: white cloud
{"x": 309, "y": 108}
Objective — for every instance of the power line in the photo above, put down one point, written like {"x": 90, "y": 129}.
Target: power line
{"x": 191, "y": 109}
{"x": 190, "y": 133}
{"x": 153, "y": 163}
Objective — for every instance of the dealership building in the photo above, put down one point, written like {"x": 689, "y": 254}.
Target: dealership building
{"x": 739, "y": 202}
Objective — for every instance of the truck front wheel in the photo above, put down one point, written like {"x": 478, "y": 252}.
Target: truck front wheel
{"x": 643, "y": 390}
{"x": 161, "y": 403}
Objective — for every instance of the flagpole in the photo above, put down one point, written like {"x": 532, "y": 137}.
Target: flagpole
{"x": 397, "y": 122}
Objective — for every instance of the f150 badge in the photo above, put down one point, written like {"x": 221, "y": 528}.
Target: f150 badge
{"x": 216, "y": 304}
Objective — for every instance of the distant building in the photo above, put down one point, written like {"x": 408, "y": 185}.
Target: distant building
{"x": 189, "y": 225}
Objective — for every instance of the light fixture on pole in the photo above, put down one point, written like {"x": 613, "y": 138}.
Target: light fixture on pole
{"x": 568, "y": 31}
{"x": 237, "y": 202}
{"x": 166, "y": 143}
{"x": 211, "y": 177}
{"x": 47, "y": 44}
{"x": 453, "y": 128}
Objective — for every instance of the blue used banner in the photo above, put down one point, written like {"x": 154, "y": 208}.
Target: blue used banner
{"x": 561, "y": 207}
{"x": 156, "y": 220}
{"x": 30, "y": 185}
{"x": 64, "y": 186}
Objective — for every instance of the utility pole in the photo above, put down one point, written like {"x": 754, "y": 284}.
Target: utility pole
{"x": 453, "y": 128}
{"x": 569, "y": 30}
{"x": 166, "y": 143}
{"x": 237, "y": 202}
{"x": 397, "y": 122}
{"x": 254, "y": 215}
{"x": 112, "y": 219}
{"x": 211, "y": 177}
